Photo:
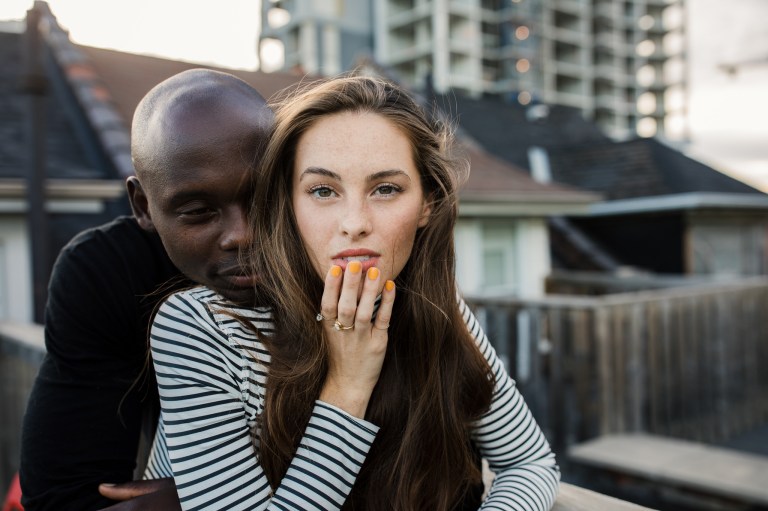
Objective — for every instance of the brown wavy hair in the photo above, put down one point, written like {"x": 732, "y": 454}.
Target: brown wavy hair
{"x": 434, "y": 381}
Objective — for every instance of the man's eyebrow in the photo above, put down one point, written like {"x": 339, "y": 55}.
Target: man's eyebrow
{"x": 188, "y": 195}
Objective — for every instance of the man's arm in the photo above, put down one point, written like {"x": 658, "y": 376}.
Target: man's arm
{"x": 83, "y": 417}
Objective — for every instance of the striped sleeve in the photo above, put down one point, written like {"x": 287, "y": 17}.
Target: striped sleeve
{"x": 527, "y": 475}
{"x": 210, "y": 448}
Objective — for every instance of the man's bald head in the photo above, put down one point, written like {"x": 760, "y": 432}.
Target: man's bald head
{"x": 179, "y": 123}
{"x": 195, "y": 140}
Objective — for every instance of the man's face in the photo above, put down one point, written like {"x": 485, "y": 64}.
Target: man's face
{"x": 200, "y": 216}
{"x": 197, "y": 195}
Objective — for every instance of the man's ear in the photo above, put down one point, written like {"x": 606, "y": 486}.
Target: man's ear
{"x": 139, "y": 203}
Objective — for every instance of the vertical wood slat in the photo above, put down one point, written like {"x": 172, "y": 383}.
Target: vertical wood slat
{"x": 721, "y": 370}
{"x": 618, "y": 340}
{"x": 709, "y": 324}
{"x": 18, "y": 368}
{"x": 636, "y": 368}
{"x": 655, "y": 369}
{"x": 667, "y": 329}
{"x": 581, "y": 378}
{"x": 604, "y": 369}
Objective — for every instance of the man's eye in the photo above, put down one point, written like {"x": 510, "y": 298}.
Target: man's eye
{"x": 196, "y": 213}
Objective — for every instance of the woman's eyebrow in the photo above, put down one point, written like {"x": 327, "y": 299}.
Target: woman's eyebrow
{"x": 376, "y": 176}
{"x": 319, "y": 171}
{"x": 384, "y": 174}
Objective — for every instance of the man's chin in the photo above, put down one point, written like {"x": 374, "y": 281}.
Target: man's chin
{"x": 240, "y": 296}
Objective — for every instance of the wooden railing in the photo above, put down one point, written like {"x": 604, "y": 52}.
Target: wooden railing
{"x": 21, "y": 352}
{"x": 683, "y": 362}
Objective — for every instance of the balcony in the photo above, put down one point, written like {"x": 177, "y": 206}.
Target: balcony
{"x": 616, "y": 356}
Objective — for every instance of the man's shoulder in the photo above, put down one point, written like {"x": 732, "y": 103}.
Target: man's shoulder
{"x": 123, "y": 230}
{"x": 116, "y": 252}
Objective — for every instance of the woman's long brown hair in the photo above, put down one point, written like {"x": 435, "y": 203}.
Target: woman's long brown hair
{"x": 434, "y": 382}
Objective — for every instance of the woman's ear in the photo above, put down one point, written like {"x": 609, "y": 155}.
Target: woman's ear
{"x": 139, "y": 203}
{"x": 426, "y": 211}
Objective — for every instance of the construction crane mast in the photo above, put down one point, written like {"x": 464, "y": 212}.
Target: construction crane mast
{"x": 731, "y": 68}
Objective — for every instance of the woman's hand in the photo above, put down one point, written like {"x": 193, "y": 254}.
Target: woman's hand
{"x": 357, "y": 346}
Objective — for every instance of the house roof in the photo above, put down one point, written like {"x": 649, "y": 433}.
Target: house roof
{"x": 495, "y": 188}
{"x": 643, "y": 167}
{"x": 65, "y": 156}
{"x": 507, "y": 130}
{"x": 128, "y": 77}
{"x": 579, "y": 156}
{"x": 109, "y": 84}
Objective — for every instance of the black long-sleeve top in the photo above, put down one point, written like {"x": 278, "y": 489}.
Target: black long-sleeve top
{"x": 84, "y": 415}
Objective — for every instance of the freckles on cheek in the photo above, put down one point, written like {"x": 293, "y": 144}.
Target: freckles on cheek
{"x": 403, "y": 239}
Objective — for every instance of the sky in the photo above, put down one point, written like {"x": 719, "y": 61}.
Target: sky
{"x": 727, "y": 114}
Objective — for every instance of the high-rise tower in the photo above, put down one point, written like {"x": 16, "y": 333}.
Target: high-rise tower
{"x": 621, "y": 62}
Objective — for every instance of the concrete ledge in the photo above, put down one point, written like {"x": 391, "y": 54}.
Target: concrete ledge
{"x": 680, "y": 464}
{"x": 574, "y": 498}
{"x": 25, "y": 341}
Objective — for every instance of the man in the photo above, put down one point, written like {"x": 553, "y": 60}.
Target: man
{"x": 194, "y": 140}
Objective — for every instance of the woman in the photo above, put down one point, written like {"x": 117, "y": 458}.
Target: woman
{"x": 362, "y": 383}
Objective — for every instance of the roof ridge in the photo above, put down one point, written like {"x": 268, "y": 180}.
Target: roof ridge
{"x": 92, "y": 94}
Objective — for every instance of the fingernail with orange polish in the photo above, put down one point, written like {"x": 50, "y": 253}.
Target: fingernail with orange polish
{"x": 373, "y": 273}
{"x": 336, "y": 270}
{"x": 355, "y": 266}
{"x": 389, "y": 285}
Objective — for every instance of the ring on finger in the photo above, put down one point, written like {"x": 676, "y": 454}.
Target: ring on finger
{"x": 320, "y": 317}
{"x": 338, "y": 325}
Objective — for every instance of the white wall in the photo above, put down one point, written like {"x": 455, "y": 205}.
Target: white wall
{"x": 15, "y": 270}
{"x": 509, "y": 256}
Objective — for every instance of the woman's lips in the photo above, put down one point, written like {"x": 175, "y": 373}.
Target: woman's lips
{"x": 367, "y": 259}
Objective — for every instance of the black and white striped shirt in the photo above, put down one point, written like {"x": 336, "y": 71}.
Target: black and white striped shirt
{"x": 211, "y": 372}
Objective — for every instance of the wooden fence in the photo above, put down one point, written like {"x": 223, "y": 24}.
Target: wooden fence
{"x": 683, "y": 362}
{"x": 21, "y": 352}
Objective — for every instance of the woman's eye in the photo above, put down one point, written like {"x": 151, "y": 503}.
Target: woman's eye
{"x": 322, "y": 192}
{"x": 387, "y": 190}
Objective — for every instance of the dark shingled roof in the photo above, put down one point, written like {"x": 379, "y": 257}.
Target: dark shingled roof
{"x": 491, "y": 178}
{"x": 579, "y": 154}
{"x": 65, "y": 155}
{"x": 507, "y": 130}
{"x": 106, "y": 85}
{"x": 128, "y": 77}
{"x": 642, "y": 167}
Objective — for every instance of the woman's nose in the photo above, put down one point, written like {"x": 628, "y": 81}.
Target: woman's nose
{"x": 356, "y": 220}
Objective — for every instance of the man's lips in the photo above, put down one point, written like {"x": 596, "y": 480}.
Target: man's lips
{"x": 236, "y": 277}
{"x": 241, "y": 280}
{"x": 368, "y": 258}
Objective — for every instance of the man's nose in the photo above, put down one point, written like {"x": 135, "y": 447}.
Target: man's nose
{"x": 235, "y": 229}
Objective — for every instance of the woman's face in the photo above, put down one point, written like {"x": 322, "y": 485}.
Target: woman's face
{"x": 357, "y": 193}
